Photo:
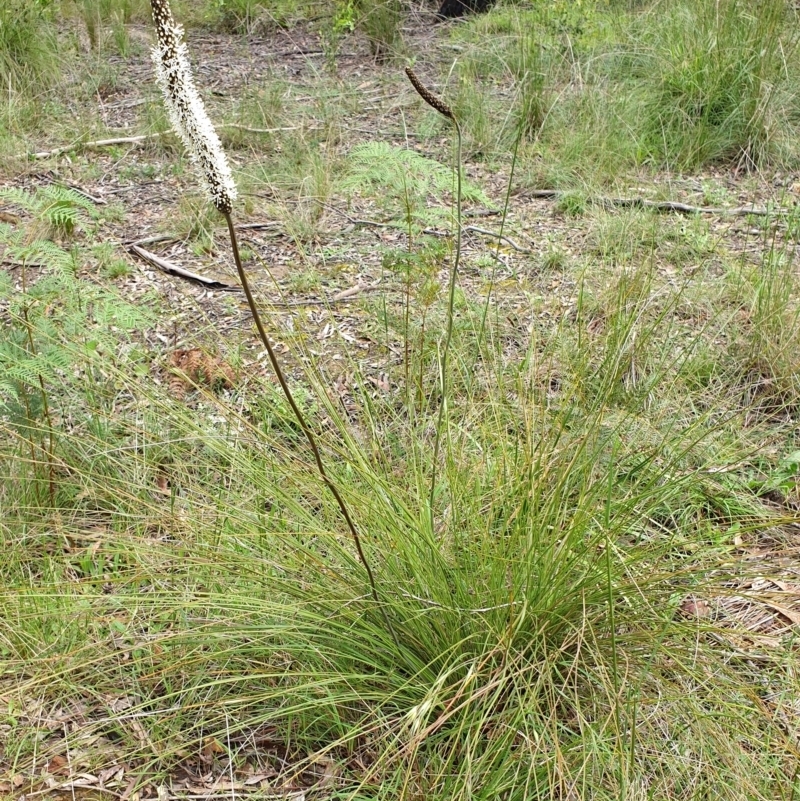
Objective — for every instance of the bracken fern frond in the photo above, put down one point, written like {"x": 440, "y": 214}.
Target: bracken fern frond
{"x": 409, "y": 178}
{"x": 59, "y": 207}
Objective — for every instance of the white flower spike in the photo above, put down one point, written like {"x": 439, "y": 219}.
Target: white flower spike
{"x": 185, "y": 108}
{"x": 190, "y": 121}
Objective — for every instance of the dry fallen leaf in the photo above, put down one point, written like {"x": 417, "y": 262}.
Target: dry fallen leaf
{"x": 790, "y": 614}
{"x": 258, "y": 778}
{"x": 58, "y": 766}
{"x": 695, "y": 608}
{"x": 112, "y": 774}
{"x": 212, "y": 746}
{"x": 785, "y": 586}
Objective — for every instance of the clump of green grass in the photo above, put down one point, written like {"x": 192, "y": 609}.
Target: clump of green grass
{"x": 620, "y": 238}
{"x": 764, "y": 341}
{"x": 110, "y": 262}
{"x": 27, "y": 46}
{"x": 713, "y": 75}
{"x": 239, "y": 15}
{"x": 381, "y": 21}
{"x": 555, "y": 258}
{"x": 196, "y": 221}
{"x": 298, "y": 164}
{"x": 571, "y": 204}
{"x": 539, "y": 643}
{"x": 254, "y": 16}
{"x": 301, "y": 177}
{"x": 534, "y": 75}
{"x": 261, "y": 107}
{"x": 601, "y": 92}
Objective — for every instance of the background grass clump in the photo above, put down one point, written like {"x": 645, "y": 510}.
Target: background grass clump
{"x": 600, "y": 92}
{"x": 27, "y": 44}
{"x": 714, "y": 78}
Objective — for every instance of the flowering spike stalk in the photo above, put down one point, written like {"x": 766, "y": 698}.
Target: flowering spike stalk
{"x": 186, "y": 110}
{"x": 189, "y": 119}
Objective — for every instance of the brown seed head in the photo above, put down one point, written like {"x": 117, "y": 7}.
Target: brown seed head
{"x": 429, "y": 97}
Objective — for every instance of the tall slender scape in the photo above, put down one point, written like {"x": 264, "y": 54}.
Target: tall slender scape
{"x": 436, "y": 102}
{"x": 189, "y": 119}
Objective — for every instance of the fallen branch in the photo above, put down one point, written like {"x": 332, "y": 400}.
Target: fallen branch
{"x": 257, "y": 226}
{"x": 151, "y": 240}
{"x": 502, "y": 237}
{"x": 346, "y": 294}
{"x": 14, "y": 264}
{"x": 480, "y": 213}
{"x": 257, "y": 130}
{"x": 434, "y": 232}
{"x": 173, "y": 269}
{"x": 98, "y": 201}
{"x": 118, "y": 140}
{"x": 657, "y": 205}
{"x": 358, "y": 223}
{"x": 127, "y": 103}
{"x": 170, "y": 268}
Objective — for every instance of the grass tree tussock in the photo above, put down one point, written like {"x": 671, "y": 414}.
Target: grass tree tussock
{"x": 515, "y": 514}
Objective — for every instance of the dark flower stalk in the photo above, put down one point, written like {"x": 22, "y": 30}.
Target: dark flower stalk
{"x": 189, "y": 119}
{"x": 437, "y": 103}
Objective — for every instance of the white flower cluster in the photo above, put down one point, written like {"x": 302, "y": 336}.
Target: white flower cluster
{"x": 185, "y": 108}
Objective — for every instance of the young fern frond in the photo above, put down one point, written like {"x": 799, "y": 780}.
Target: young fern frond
{"x": 62, "y": 207}
{"x": 410, "y": 180}
{"x": 382, "y": 164}
{"x": 27, "y": 369}
{"x": 40, "y": 252}
{"x": 45, "y": 321}
{"x": 17, "y": 197}
{"x": 59, "y": 207}
{"x": 58, "y": 262}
